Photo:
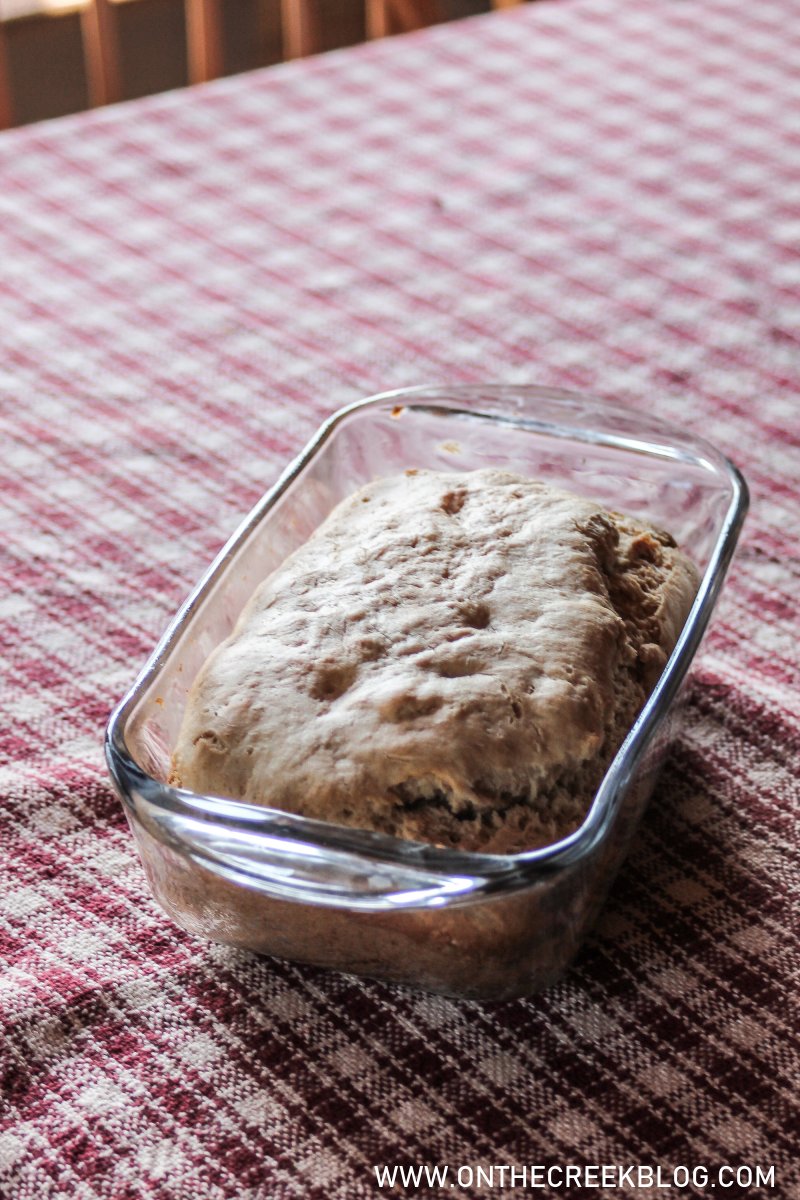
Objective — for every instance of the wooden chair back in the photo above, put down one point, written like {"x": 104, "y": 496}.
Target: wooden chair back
{"x": 301, "y": 35}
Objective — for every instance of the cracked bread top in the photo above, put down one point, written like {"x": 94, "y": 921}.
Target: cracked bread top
{"x": 452, "y": 658}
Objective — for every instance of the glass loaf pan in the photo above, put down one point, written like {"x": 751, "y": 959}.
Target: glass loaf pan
{"x": 481, "y": 926}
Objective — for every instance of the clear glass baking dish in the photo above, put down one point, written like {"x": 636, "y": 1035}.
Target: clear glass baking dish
{"x": 480, "y": 926}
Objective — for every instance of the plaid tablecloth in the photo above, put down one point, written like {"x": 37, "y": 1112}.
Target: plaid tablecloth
{"x": 601, "y": 194}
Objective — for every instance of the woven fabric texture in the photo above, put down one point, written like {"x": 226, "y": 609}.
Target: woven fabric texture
{"x": 594, "y": 194}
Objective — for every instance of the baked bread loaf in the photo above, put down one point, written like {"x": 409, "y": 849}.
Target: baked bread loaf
{"x": 453, "y": 658}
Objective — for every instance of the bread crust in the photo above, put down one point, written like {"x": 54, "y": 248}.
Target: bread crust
{"x": 452, "y": 658}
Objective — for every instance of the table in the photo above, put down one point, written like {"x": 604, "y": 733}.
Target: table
{"x": 598, "y": 194}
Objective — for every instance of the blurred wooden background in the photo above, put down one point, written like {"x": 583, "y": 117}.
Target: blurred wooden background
{"x": 44, "y": 70}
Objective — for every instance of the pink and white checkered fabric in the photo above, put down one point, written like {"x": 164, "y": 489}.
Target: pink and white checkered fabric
{"x": 602, "y": 194}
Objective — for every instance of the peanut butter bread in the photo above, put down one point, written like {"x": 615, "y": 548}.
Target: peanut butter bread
{"x": 450, "y": 658}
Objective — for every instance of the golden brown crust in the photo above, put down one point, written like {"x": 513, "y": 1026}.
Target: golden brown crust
{"x": 451, "y": 658}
